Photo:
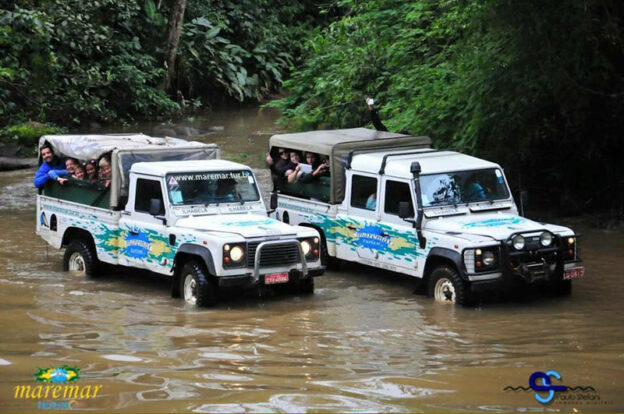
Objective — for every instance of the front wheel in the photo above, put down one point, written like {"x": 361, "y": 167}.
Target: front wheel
{"x": 80, "y": 258}
{"x": 446, "y": 286}
{"x": 195, "y": 286}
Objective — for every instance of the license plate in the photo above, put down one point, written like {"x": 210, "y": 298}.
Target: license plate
{"x": 276, "y": 278}
{"x": 575, "y": 273}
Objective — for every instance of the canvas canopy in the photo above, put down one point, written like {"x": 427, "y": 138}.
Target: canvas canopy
{"x": 125, "y": 150}
{"x": 338, "y": 144}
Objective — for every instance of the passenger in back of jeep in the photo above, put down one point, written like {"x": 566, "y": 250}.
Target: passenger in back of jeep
{"x": 312, "y": 162}
{"x": 79, "y": 171}
{"x": 278, "y": 168}
{"x": 291, "y": 167}
{"x": 91, "y": 170}
{"x": 319, "y": 169}
{"x": 51, "y": 167}
{"x": 70, "y": 165}
{"x": 106, "y": 172}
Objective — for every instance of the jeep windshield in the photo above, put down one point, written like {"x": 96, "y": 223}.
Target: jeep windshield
{"x": 211, "y": 187}
{"x": 463, "y": 187}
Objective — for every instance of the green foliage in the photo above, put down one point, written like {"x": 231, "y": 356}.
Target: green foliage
{"x": 238, "y": 49}
{"x": 72, "y": 61}
{"x": 26, "y": 135}
{"x": 537, "y": 86}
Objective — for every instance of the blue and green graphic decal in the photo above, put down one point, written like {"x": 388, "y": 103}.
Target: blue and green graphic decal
{"x": 57, "y": 375}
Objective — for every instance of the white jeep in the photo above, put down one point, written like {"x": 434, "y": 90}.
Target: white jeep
{"x": 173, "y": 208}
{"x": 392, "y": 202}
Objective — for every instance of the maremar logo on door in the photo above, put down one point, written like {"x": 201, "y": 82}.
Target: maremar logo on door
{"x": 57, "y": 388}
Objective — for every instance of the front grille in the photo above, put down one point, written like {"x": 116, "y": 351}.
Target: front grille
{"x": 273, "y": 254}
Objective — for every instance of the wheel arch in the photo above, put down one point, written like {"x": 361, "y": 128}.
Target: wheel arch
{"x": 185, "y": 253}
{"x": 439, "y": 256}
{"x": 77, "y": 233}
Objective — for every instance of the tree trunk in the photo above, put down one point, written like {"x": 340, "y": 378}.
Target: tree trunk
{"x": 173, "y": 39}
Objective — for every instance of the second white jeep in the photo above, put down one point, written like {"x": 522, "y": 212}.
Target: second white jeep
{"x": 392, "y": 202}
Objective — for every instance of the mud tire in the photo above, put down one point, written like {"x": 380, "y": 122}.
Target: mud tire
{"x": 196, "y": 288}
{"x": 80, "y": 257}
{"x": 446, "y": 286}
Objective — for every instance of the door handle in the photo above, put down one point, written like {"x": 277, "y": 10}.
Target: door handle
{"x": 352, "y": 228}
{"x": 384, "y": 234}
{"x": 134, "y": 233}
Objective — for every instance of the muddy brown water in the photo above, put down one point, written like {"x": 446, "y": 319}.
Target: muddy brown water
{"x": 363, "y": 342}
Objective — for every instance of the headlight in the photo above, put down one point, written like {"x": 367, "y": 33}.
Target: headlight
{"x": 305, "y": 245}
{"x": 485, "y": 259}
{"x": 236, "y": 254}
{"x": 570, "y": 249}
{"x": 546, "y": 239}
{"x": 489, "y": 258}
{"x": 233, "y": 255}
{"x": 518, "y": 242}
{"x": 310, "y": 247}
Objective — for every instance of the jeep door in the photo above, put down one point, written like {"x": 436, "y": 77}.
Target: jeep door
{"x": 403, "y": 252}
{"x": 360, "y": 236}
{"x": 143, "y": 235}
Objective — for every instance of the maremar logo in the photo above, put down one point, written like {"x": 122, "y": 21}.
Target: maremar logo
{"x": 57, "y": 388}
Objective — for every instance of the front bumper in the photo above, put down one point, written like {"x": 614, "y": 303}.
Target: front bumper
{"x": 510, "y": 278}
{"x": 268, "y": 258}
{"x": 249, "y": 280}
{"x": 534, "y": 266}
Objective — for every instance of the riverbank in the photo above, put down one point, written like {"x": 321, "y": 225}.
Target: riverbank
{"x": 10, "y": 164}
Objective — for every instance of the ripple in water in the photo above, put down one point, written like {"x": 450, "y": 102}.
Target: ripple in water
{"x": 122, "y": 358}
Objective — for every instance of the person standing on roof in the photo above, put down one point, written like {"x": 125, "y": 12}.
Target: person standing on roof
{"x": 51, "y": 167}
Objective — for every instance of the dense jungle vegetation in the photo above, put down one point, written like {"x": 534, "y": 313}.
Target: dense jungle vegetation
{"x": 537, "y": 86}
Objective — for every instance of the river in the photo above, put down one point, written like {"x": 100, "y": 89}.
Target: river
{"x": 363, "y": 342}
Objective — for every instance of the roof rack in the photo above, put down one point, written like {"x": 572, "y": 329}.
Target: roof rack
{"x": 353, "y": 151}
{"x": 382, "y": 170}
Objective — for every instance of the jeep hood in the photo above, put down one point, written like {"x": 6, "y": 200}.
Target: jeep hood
{"x": 245, "y": 225}
{"x": 498, "y": 226}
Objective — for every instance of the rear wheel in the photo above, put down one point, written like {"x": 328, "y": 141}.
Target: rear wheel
{"x": 446, "y": 286}
{"x": 80, "y": 258}
{"x": 195, "y": 286}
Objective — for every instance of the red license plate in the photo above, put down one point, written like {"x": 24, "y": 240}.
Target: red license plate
{"x": 575, "y": 273}
{"x": 276, "y": 278}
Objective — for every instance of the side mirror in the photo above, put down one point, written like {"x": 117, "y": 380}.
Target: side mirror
{"x": 156, "y": 207}
{"x": 273, "y": 202}
{"x": 404, "y": 210}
